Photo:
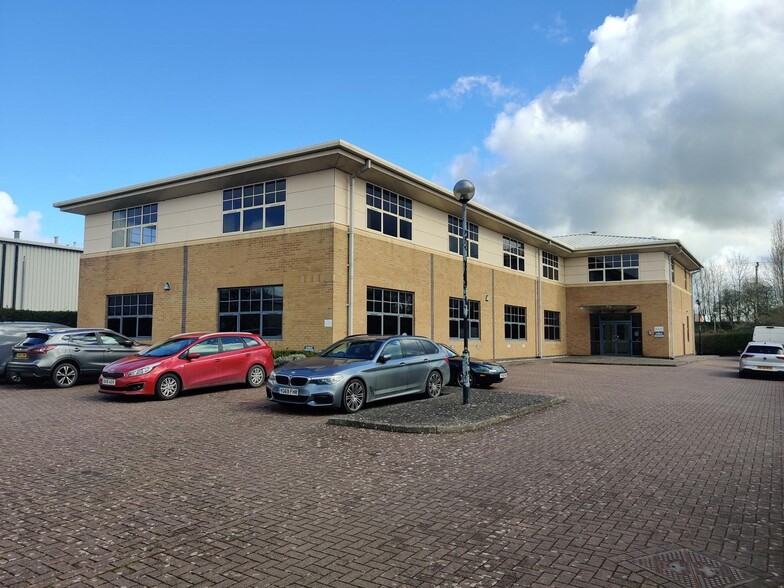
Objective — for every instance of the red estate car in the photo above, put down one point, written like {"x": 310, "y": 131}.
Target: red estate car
{"x": 190, "y": 360}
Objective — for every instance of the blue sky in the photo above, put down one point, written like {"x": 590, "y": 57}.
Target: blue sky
{"x": 563, "y": 118}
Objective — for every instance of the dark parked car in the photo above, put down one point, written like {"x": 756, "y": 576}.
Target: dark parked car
{"x": 483, "y": 373}
{"x": 62, "y": 355}
{"x": 11, "y": 333}
{"x": 190, "y": 360}
{"x": 361, "y": 369}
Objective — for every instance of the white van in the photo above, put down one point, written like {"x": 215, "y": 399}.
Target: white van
{"x": 769, "y": 334}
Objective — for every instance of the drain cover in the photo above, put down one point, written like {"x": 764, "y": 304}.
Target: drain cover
{"x": 692, "y": 570}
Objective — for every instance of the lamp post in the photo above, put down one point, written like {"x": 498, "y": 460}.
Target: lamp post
{"x": 699, "y": 326}
{"x": 464, "y": 190}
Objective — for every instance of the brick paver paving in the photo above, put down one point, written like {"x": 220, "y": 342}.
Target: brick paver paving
{"x": 222, "y": 488}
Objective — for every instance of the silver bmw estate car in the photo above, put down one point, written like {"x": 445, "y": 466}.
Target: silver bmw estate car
{"x": 361, "y": 369}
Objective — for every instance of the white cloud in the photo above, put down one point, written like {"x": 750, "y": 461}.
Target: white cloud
{"x": 466, "y": 85}
{"x": 673, "y": 127}
{"x": 10, "y": 221}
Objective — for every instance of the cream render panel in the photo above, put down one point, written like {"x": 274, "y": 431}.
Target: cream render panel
{"x": 652, "y": 265}
{"x": 199, "y": 216}
{"x": 311, "y": 199}
{"x": 97, "y": 232}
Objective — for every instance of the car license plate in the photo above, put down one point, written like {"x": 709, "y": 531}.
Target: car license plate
{"x": 288, "y": 391}
{"x": 503, "y": 375}
{"x": 108, "y": 382}
{"x": 21, "y": 355}
{"x": 764, "y": 367}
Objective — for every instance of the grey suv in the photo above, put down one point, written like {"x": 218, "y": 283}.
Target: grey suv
{"x": 63, "y": 355}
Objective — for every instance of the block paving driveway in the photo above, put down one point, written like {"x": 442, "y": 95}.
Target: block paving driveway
{"x": 223, "y": 488}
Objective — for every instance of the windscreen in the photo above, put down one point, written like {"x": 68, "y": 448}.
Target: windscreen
{"x": 167, "y": 348}
{"x": 352, "y": 349}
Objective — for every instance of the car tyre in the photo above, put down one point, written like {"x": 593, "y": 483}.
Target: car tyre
{"x": 168, "y": 387}
{"x": 13, "y": 378}
{"x": 354, "y": 395}
{"x": 434, "y": 384}
{"x": 471, "y": 380}
{"x": 65, "y": 375}
{"x": 256, "y": 377}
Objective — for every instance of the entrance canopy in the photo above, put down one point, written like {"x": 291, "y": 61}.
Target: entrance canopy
{"x": 609, "y": 308}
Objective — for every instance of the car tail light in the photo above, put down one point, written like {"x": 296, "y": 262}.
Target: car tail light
{"x": 40, "y": 350}
{"x": 747, "y": 355}
{"x": 780, "y": 357}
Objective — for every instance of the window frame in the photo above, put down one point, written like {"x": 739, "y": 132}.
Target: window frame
{"x": 388, "y": 308}
{"x": 243, "y": 206}
{"x": 515, "y": 320}
{"x": 242, "y": 301}
{"x": 144, "y": 225}
{"x": 456, "y": 319}
{"x": 124, "y": 305}
{"x": 626, "y": 266}
{"x": 386, "y": 209}
{"x": 514, "y": 254}
{"x": 455, "y": 236}
{"x": 550, "y": 263}
{"x": 552, "y": 325}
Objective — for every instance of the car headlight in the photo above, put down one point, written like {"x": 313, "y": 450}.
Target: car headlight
{"x": 328, "y": 379}
{"x": 145, "y": 370}
{"x": 272, "y": 376}
{"x": 481, "y": 369}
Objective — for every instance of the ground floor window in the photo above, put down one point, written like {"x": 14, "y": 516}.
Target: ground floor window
{"x": 552, "y": 325}
{"x": 256, "y": 309}
{"x": 514, "y": 322}
{"x": 389, "y": 312}
{"x": 130, "y": 314}
{"x": 456, "y": 319}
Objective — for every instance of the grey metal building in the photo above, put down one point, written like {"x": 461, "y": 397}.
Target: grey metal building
{"x": 38, "y": 276}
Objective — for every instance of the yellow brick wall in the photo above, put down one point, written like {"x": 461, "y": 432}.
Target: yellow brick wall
{"x": 312, "y": 265}
{"x": 300, "y": 259}
{"x": 651, "y": 300}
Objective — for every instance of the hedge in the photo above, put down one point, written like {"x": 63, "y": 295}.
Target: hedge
{"x": 722, "y": 343}
{"x": 63, "y": 317}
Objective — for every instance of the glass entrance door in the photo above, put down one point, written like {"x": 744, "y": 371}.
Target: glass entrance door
{"x": 616, "y": 338}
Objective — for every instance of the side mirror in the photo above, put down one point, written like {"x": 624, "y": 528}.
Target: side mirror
{"x": 193, "y": 356}
{"x": 128, "y": 343}
{"x": 385, "y": 358}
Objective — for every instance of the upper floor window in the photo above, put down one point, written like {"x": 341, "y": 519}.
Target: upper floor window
{"x": 134, "y": 226}
{"x": 672, "y": 269}
{"x": 614, "y": 268}
{"x": 388, "y": 212}
{"x": 456, "y": 237}
{"x": 549, "y": 265}
{"x": 456, "y": 318}
{"x": 254, "y": 207}
{"x": 130, "y": 314}
{"x": 514, "y": 254}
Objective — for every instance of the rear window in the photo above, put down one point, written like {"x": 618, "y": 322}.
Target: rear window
{"x": 764, "y": 349}
{"x": 34, "y": 339}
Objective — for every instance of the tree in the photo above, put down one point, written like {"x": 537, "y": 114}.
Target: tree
{"x": 775, "y": 269}
{"x": 738, "y": 273}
